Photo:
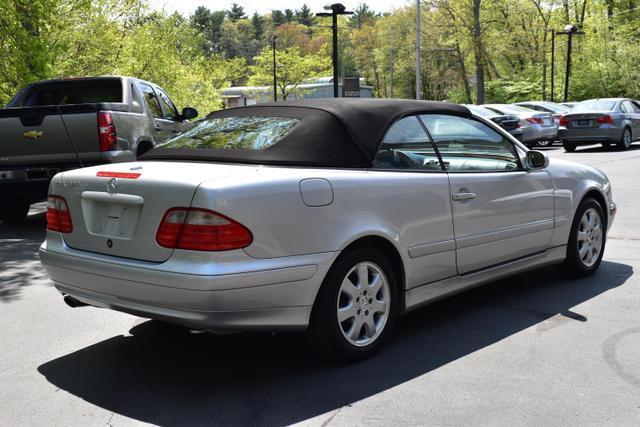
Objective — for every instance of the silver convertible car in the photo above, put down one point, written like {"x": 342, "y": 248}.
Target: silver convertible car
{"x": 330, "y": 216}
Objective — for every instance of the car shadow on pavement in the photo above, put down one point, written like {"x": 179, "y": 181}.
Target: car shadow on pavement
{"x": 163, "y": 375}
{"x": 19, "y": 263}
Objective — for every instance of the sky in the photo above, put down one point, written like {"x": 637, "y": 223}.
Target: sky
{"x": 186, "y": 7}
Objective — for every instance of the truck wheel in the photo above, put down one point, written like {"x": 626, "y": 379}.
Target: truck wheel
{"x": 586, "y": 241}
{"x": 355, "y": 308}
{"x": 625, "y": 140}
{"x": 569, "y": 147}
{"x": 15, "y": 209}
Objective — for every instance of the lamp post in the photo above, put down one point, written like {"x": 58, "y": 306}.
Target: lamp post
{"x": 569, "y": 30}
{"x": 275, "y": 79}
{"x": 336, "y": 9}
{"x": 418, "y": 49}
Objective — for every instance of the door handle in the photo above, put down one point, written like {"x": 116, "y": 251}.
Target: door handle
{"x": 463, "y": 196}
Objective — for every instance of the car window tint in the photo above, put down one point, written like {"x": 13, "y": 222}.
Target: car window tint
{"x": 151, "y": 100}
{"x": 234, "y": 133}
{"x": 467, "y": 145}
{"x": 169, "y": 110}
{"x": 406, "y": 146}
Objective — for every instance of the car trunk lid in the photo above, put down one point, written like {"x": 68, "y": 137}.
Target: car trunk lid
{"x": 116, "y": 209}
{"x": 583, "y": 120}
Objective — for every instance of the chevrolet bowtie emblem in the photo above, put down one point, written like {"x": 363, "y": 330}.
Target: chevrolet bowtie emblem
{"x": 32, "y": 134}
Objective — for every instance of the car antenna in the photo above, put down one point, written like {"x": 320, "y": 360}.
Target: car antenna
{"x": 64, "y": 124}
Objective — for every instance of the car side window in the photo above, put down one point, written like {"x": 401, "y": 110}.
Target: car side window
{"x": 627, "y": 107}
{"x": 136, "y": 106}
{"x": 151, "y": 100}
{"x": 170, "y": 111}
{"x": 636, "y": 107}
{"x": 467, "y": 145}
{"x": 407, "y": 146}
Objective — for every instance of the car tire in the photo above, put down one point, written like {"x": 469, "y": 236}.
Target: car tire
{"x": 568, "y": 147}
{"x": 586, "y": 240}
{"x": 625, "y": 140}
{"x": 356, "y": 307}
{"x": 15, "y": 209}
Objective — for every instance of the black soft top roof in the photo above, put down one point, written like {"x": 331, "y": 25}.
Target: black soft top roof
{"x": 333, "y": 132}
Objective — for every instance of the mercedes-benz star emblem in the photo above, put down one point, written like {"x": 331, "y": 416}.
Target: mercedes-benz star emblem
{"x": 112, "y": 186}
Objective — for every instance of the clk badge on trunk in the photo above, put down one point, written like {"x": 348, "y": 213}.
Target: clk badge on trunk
{"x": 112, "y": 186}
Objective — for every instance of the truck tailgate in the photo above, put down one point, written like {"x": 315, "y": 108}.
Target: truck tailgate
{"x": 37, "y": 135}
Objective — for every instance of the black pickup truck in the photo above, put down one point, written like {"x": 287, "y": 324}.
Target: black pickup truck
{"x": 57, "y": 125}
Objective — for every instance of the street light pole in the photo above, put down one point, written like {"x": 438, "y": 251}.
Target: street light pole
{"x": 568, "y": 72}
{"x": 569, "y": 30}
{"x": 418, "y": 49}
{"x": 553, "y": 64}
{"x": 336, "y": 9}
{"x": 275, "y": 79}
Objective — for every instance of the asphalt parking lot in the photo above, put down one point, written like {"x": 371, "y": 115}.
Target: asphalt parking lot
{"x": 535, "y": 349}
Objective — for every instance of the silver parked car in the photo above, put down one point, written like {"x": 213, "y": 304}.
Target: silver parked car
{"x": 557, "y": 110}
{"x": 538, "y": 128}
{"x": 330, "y": 216}
{"x": 605, "y": 121}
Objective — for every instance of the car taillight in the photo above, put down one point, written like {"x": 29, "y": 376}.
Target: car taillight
{"x": 564, "y": 121}
{"x": 201, "y": 230}
{"x": 605, "y": 120}
{"x": 535, "y": 120}
{"x": 106, "y": 132}
{"x": 518, "y": 125}
{"x": 58, "y": 215}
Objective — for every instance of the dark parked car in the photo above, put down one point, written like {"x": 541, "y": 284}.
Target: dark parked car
{"x": 509, "y": 122}
{"x": 605, "y": 121}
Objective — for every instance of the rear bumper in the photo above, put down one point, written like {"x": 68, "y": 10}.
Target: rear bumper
{"x": 590, "y": 136}
{"x": 31, "y": 179}
{"x": 245, "y": 294}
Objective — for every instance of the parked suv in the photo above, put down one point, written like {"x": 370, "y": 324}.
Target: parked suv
{"x": 56, "y": 125}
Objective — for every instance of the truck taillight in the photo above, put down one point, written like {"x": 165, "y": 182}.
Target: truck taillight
{"x": 106, "y": 132}
{"x": 58, "y": 215}
{"x": 605, "y": 120}
{"x": 201, "y": 230}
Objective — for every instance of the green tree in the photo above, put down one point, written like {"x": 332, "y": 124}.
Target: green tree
{"x": 277, "y": 17}
{"x": 291, "y": 70}
{"x": 305, "y": 16}
{"x": 257, "y": 22}
{"x": 289, "y": 16}
{"x": 361, "y": 15}
{"x": 236, "y": 12}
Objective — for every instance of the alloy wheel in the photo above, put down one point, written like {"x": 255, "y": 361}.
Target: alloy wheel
{"x": 590, "y": 237}
{"x": 364, "y": 304}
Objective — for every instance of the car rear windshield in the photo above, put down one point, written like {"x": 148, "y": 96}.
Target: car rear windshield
{"x": 594, "y": 106}
{"x": 481, "y": 111}
{"x": 74, "y": 92}
{"x": 516, "y": 109}
{"x": 237, "y": 133}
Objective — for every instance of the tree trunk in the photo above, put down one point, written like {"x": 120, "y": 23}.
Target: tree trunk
{"x": 477, "y": 49}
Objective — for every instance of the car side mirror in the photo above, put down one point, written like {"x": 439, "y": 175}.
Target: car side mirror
{"x": 189, "y": 113}
{"x": 536, "y": 160}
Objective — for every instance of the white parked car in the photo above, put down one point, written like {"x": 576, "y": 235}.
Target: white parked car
{"x": 330, "y": 216}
